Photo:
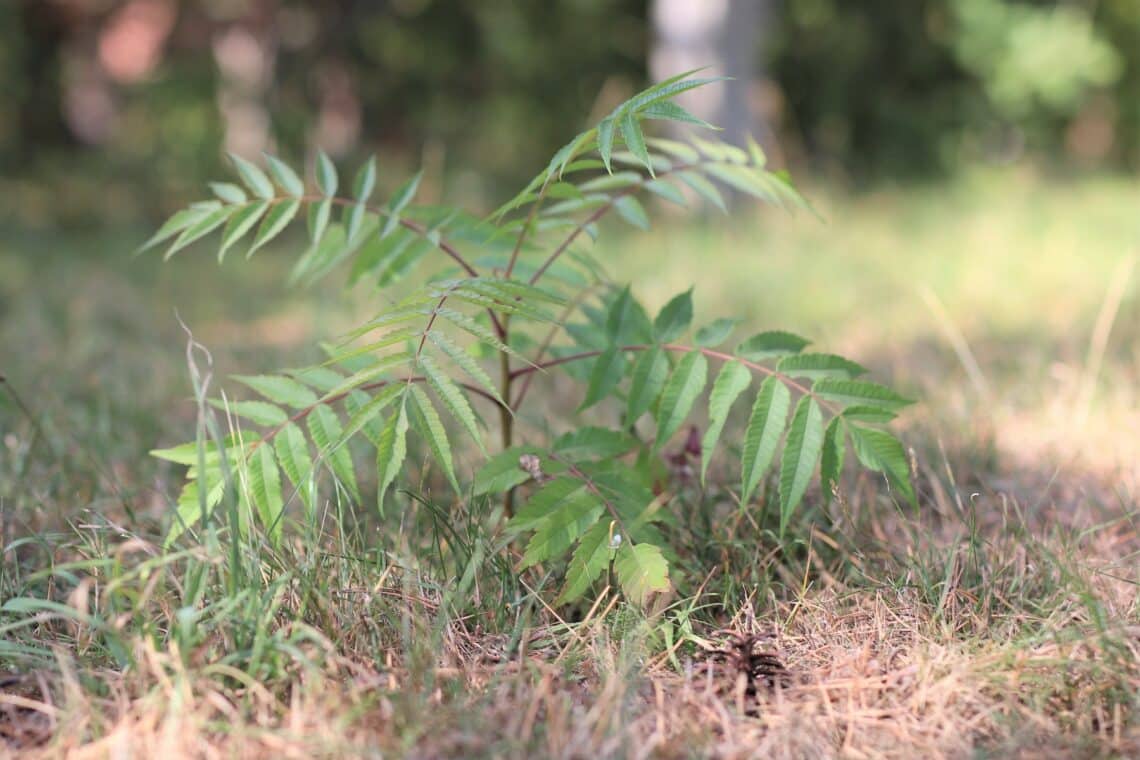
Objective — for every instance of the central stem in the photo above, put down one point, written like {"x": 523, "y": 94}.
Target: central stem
{"x": 506, "y": 418}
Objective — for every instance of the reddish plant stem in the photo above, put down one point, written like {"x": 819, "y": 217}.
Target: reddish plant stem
{"x": 676, "y": 348}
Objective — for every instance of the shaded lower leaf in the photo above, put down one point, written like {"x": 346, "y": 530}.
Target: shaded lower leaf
{"x": 590, "y": 559}
{"x": 880, "y": 451}
{"x": 502, "y": 471}
{"x": 831, "y": 460}
{"x": 642, "y": 570}
{"x": 558, "y": 532}
{"x": 593, "y": 443}
{"x": 545, "y": 502}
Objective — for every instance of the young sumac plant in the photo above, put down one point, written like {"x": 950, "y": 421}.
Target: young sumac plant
{"x": 522, "y": 298}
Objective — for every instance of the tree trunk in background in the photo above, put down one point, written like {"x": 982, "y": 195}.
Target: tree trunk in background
{"x": 724, "y": 35}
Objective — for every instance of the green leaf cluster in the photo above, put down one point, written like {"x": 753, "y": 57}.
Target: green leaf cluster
{"x": 521, "y": 297}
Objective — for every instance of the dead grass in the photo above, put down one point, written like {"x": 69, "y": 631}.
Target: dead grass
{"x": 1005, "y": 643}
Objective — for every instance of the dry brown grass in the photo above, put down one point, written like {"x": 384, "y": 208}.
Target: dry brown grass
{"x": 1029, "y": 648}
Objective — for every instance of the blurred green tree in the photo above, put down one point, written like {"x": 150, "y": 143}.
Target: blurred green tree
{"x": 103, "y": 94}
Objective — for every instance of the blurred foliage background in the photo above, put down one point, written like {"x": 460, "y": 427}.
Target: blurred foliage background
{"x": 117, "y": 110}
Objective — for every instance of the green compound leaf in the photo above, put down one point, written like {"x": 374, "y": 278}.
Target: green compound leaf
{"x": 568, "y": 519}
{"x": 365, "y": 181}
{"x": 762, "y": 436}
{"x": 712, "y": 335}
{"x": 590, "y": 559}
{"x": 608, "y": 371}
{"x": 815, "y": 366}
{"x": 635, "y": 140}
{"x": 467, "y": 363}
{"x": 632, "y": 212}
{"x": 869, "y": 414}
{"x": 732, "y": 380}
{"x": 641, "y": 570}
{"x": 593, "y": 443}
{"x": 399, "y": 202}
{"x": 502, "y": 471}
{"x": 239, "y": 224}
{"x": 200, "y": 228}
{"x": 287, "y": 179}
{"x": 427, "y": 424}
{"x": 318, "y": 220}
{"x": 391, "y": 450}
{"x": 326, "y": 175}
{"x": 253, "y": 177}
{"x": 650, "y": 373}
{"x": 257, "y": 412}
{"x": 265, "y": 490}
{"x": 703, "y": 188}
{"x": 362, "y": 416}
{"x": 831, "y": 460}
{"x": 773, "y": 343}
{"x": 453, "y": 398}
{"x": 626, "y": 321}
{"x": 859, "y": 392}
{"x": 279, "y": 388}
{"x": 179, "y": 221}
{"x": 606, "y": 141}
{"x": 880, "y": 451}
{"x": 354, "y": 218}
{"x": 681, "y": 392}
{"x": 675, "y": 318}
{"x": 275, "y": 221}
{"x": 667, "y": 110}
{"x": 228, "y": 192}
{"x": 326, "y": 430}
{"x": 293, "y": 456}
{"x": 801, "y": 452}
